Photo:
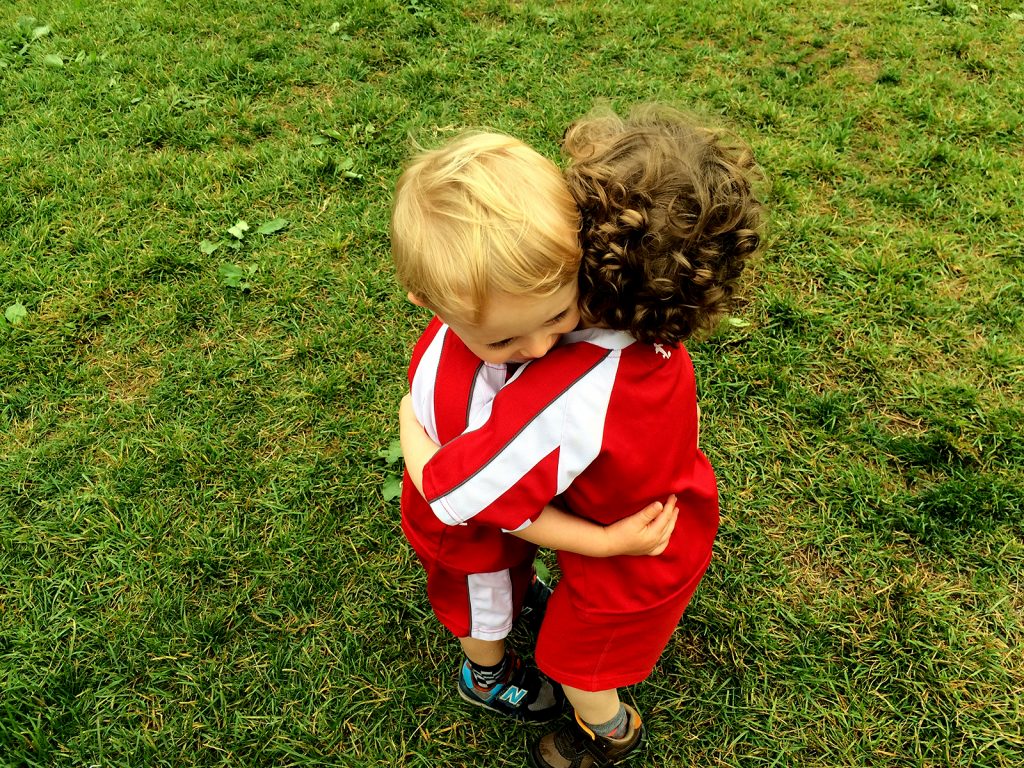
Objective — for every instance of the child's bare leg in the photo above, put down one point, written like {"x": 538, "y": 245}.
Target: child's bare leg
{"x": 485, "y": 653}
{"x": 593, "y": 706}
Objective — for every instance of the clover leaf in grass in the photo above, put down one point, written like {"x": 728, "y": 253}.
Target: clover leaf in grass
{"x": 238, "y": 237}
{"x": 332, "y": 133}
{"x": 27, "y": 31}
{"x": 235, "y": 276}
{"x": 392, "y": 453}
{"x": 272, "y": 226}
{"x": 345, "y": 166}
{"x": 15, "y": 313}
{"x": 238, "y": 231}
{"x": 392, "y": 488}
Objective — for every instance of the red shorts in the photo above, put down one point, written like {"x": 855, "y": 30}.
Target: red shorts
{"x": 479, "y": 605}
{"x": 596, "y": 652}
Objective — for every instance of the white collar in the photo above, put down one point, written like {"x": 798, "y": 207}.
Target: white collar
{"x": 601, "y": 337}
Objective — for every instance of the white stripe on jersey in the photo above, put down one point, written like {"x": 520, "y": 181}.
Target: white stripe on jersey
{"x": 585, "y": 416}
{"x": 573, "y": 422}
{"x": 489, "y": 379}
{"x": 424, "y": 382}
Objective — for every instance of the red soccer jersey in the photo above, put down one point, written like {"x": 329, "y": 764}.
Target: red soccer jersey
{"x": 610, "y": 425}
{"x": 448, "y": 383}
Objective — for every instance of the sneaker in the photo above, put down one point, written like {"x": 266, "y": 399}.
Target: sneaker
{"x": 576, "y": 746}
{"x": 526, "y": 695}
{"x": 535, "y": 605}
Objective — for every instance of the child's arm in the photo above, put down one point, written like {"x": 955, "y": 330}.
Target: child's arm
{"x": 645, "y": 533}
{"x": 417, "y": 446}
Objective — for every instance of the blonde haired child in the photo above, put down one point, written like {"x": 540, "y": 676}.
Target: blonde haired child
{"x": 484, "y": 234}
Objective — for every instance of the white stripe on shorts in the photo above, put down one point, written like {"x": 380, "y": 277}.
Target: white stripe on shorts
{"x": 490, "y": 604}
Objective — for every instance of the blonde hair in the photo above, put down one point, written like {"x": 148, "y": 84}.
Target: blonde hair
{"x": 484, "y": 214}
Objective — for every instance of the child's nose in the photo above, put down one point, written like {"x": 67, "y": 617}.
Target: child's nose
{"x": 538, "y": 347}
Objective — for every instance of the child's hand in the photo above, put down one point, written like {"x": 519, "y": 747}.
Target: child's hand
{"x": 647, "y": 532}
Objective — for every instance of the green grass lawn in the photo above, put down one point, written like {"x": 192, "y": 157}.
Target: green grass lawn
{"x": 197, "y": 565}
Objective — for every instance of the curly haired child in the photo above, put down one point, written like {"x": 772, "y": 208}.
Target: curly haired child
{"x": 608, "y": 420}
{"x": 484, "y": 233}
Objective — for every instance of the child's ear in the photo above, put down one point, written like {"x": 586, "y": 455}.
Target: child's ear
{"x": 415, "y": 299}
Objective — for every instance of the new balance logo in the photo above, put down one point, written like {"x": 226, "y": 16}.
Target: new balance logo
{"x": 512, "y": 695}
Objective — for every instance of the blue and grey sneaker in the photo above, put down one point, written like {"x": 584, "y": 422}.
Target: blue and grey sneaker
{"x": 535, "y": 605}
{"x": 526, "y": 695}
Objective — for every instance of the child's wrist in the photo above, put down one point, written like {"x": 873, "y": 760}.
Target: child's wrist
{"x": 608, "y": 543}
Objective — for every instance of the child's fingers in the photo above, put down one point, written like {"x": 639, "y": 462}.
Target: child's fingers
{"x": 668, "y": 514}
{"x": 673, "y": 518}
{"x": 651, "y": 512}
{"x": 664, "y": 521}
{"x": 662, "y": 528}
{"x": 655, "y": 512}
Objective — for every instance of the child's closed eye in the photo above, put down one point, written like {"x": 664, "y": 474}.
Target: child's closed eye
{"x": 500, "y": 344}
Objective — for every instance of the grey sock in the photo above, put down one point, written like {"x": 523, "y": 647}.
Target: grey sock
{"x": 616, "y": 728}
{"x": 545, "y": 697}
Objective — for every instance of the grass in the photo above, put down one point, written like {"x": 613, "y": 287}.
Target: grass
{"x": 197, "y": 566}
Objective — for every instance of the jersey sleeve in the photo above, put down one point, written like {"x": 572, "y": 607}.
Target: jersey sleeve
{"x": 449, "y": 384}
{"x": 423, "y": 373}
{"x": 545, "y": 427}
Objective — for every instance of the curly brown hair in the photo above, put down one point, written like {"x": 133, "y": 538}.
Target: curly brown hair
{"x": 670, "y": 216}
